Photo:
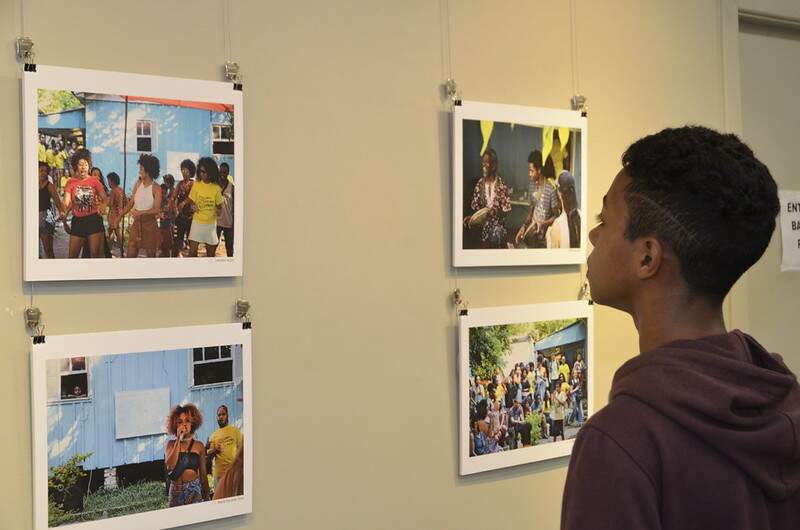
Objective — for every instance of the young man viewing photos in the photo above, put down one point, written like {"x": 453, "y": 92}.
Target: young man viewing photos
{"x": 702, "y": 429}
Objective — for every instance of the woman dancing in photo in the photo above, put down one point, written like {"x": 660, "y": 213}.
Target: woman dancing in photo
{"x": 47, "y": 196}
{"x": 206, "y": 199}
{"x": 85, "y": 196}
{"x": 183, "y": 222}
{"x": 144, "y": 208}
{"x": 225, "y": 214}
{"x": 116, "y": 204}
{"x": 166, "y": 224}
{"x": 185, "y": 457}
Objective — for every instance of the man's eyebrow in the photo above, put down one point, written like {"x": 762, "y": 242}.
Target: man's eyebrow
{"x": 604, "y": 200}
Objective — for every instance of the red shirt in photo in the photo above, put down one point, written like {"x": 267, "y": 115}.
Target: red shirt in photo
{"x": 85, "y": 193}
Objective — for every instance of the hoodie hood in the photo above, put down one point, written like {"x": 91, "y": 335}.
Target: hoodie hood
{"x": 730, "y": 392}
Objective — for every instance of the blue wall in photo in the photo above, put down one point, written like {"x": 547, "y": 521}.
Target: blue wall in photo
{"x": 88, "y": 426}
{"x": 175, "y": 130}
{"x": 71, "y": 119}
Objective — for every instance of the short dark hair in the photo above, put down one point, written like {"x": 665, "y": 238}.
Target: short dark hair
{"x": 78, "y": 155}
{"x": 224, "y": 164}
{"x": 535, "y": 158}
{"x": 211, "y": 168}
{"x": 705, "y": 196}
{"x": 223, "y": 407}
{"x": 113, "y": 178}
{"x": 548, "y": 169}
{"x": 188, "y": 164}
{"x": 44, "y": 164}
{"x": 151, "y": 165}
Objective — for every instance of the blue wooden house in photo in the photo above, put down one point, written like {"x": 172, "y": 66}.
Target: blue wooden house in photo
{"x": 569, "y": 341}
{"x": 116, "y": 406}
{"x": 118, "y": 129}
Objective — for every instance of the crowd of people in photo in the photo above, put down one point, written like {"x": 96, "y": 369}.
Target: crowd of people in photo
{"x": 189, "y": 461}
{"x": 546, "y": 393}
{"x": 162, "y": 220}
{"x": 552, "y": 221}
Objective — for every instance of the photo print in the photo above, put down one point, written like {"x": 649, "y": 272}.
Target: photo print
{"x": 149, "y": 428}
{"x": 130, "y": 166}
{"x": 519, "y": 185}
{"x": 525, "y": 383}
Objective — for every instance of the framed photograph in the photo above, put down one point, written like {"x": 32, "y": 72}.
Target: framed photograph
{"x": 149, "y": 428}
{"x": 120, "y": 165}
{"x": 525, "y": 383}
{"x": 519, "y": 185}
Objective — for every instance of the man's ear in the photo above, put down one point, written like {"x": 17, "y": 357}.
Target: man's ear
{"x": 649, "y": 255}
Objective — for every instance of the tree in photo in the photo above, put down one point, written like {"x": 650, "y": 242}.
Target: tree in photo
{"x": 488, "y": 347}
{"x": 539, "y": 330}
{"x": 51, "y": 101}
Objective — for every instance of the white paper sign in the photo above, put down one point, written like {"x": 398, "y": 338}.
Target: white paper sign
{"x": 790, "y": 229}
{"x": 141, "y": 412}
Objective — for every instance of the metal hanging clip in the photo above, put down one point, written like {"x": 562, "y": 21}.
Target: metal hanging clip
{"x": 459, "y": 302}
{"x": 233, "y": 74}
{"x": 24, "y": 49}
{"x": 242, "y": 312}
{"x": 33, "y": 321}
{"x": 579, "y": 103}
{"x": 452, "y": 91}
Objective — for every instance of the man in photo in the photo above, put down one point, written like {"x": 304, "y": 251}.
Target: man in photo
{"x": 545, "y": 206}
{"x": 491, "y": 204}
{"x": 702, "y": 429}
{"x": 223, "y": 444}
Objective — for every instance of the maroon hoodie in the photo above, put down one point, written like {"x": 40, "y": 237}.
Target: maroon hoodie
{"x": 698, "y": 434}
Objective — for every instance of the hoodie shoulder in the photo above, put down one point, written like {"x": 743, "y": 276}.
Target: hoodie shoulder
{"x": 636, "y": 428}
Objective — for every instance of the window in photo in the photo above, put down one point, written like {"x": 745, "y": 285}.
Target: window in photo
{"x": 212, "y": 365}
{"x": 222, "y": 139}
{"x": 67, "y": 379}
{"x": 144, "y": 136}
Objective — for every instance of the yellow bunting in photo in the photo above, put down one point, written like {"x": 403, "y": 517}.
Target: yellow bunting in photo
{"x": 547, "y": 142}
{"x": 486, "y": 132}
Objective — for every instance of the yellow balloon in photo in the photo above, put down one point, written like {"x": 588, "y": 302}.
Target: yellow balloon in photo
{"x": 486, "y": 132}
{"x": 557, "y": 156}
{"x": 563, "y": 135}
{"x": 547, "y": 142}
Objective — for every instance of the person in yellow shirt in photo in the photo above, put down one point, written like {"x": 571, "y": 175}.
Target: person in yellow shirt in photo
{"x": 206, "y": 198}
{"x": 223, "y": 444}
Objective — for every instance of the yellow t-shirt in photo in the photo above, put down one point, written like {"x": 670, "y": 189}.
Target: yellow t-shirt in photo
{"x": 59, "y": 159}
{"x": 206, "y": 197}
{"x": 42, "y": 153}
{"x": 231, "y": 440}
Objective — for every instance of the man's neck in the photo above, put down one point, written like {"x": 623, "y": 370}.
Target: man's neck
{"x": 676, "y": 317}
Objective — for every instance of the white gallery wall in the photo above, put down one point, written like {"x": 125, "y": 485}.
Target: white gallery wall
{"x": 347, "y": 238}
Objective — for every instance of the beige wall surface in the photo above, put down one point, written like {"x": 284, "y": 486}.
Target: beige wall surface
{"x": 347, "y": 227}
{"x": 772, "y": 127}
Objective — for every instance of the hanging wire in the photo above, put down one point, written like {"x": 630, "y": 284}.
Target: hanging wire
{"x": 226, "y": 29}
{"x": 574, "y": 47}
{"x": 447, "y": 73}
{"x": 447, "y": 49}
{"x": 22, "y": 17}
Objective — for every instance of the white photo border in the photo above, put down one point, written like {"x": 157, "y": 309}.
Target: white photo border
{"x": 122, "y": 342}
{"x": 533, "y": 117}
{"x": 103, "y": 82}
{"x": 513, "y": 315}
